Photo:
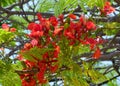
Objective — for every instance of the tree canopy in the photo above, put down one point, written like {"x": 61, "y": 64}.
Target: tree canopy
{"x": 66, "y": 42}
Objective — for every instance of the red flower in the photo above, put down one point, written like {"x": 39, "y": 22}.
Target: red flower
{"x": 57, "y": 31}
{"x": 69, "y": 34}
{"x": 39, "y": 16}
{"x": 20, "y": 57}
{"x": 29, "y": 64}
{"x": 48, "y": 40}
{"x": 5, "y": 27}
{"x": 107, "y": 9}
{"x": 72, "y": 16}
{"x": 97, "y": 53}
{"x": 53, "y": 68}
{"x": 53, "y": 21}
{"x": 45, "y": 55}
{"x": 36, "y": 34}
{"x": 31, "y": 26}
{"x": 34, "y": 42}
{"x": 12, "y": 29}
{"x": 90, "y": 41}
{"x": 100, "y": 40}
{"x": 27, "y": 46}
{"x": 29, "y": 82}
{"x": 35, "y": 27}
{"x": 61, "y": 17}
{"x": 90, "y": 25}
{"x": 22, "y": 76}
{"x": 57, "y": 48}
{"x": 40, "y": 77}
{"x": 41, "y": 73}
{"x": 82, "y": 20}
{"x": 56, "y": 51}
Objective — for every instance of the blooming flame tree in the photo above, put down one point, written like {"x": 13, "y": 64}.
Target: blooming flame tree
{"x": 54, "y": 39}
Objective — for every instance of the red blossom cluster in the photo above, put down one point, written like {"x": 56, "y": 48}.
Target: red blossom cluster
{"x": 7, "y": 28}
{"x": 47, "y": 34}
{"x": 107, "y": 9}
{"x": 47, "y": 63}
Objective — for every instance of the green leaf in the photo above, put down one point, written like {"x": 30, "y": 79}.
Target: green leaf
{"x": 98, "y": 3}
{"x": 45, "y": 5}
{"x": 7, "y": 2}
{"x": 59, "y": 7}
{"x": 5, "y": 36}
{"x": 64, "y": 6}
{"x": 18, "y": 20}
{"x": 96, "y": 76}
{"x": 8, "y": 77}
{"x": 82, "y": 4}
{"x": 34, "y": 53}
{"x": 73, "y": 79}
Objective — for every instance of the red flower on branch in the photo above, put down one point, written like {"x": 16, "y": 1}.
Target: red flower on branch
{"x": 36, "y": 34}
{"x": 69, "y": 34}
{"x": 90, "y": 25}
{"x": 7, "y": 28}
{"x": 27, "y": 46}
{"x": 49, "y": 33}
{"x": 54, "y": 68}
{"x": 34, "y": 27}
{"x": 41, "y": 73}
{"x": 34, "y": 42}
{"x": 61, "y": 18}
{"x": 12, "y": 29}
{"x": 57, "y": 31}
{"x": 53, "y": 21}
{"x": 30, "y": 64}
{"x": 97, "y": 53}
{"x": 72, "y": 16}
{"x": 28, "y": 82}
{"x": 107, "y": 9}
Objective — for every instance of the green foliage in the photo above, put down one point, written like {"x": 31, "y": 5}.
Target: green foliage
{"x": 79, "y": 76}
{"x": 70, "y": 5}
{"x": 8, "y": 77}
{"x": 74, "y": 77}
{"x": 64, "y": 5}
{"x": 45, "y": 5}
{"x": 82, "y": 4}
{"x": 78, "y": 50}
{"x": 113, "y": 83}
{"x": 98, "y": 3}
{"x": 34, "y": 52}
{"x": 61, "y": 6}
{"x": 94, "y": 75}
{"x": 7, "y": 2}
{"x": 18, "y": 19}
{"x": 110, "y": 28}
{"x": 90, "y": 3}
{"x": 5, "y": 36}
{"x": 19, "y": 24}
